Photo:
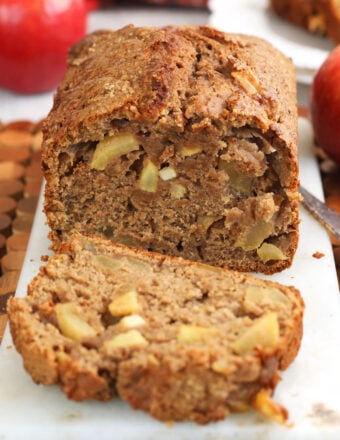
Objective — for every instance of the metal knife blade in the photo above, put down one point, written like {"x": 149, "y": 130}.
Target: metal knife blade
{"x": 321, "y": 212}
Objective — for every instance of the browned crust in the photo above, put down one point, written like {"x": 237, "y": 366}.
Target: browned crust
{"x": 38, "y": 361}
{"x": 82, "y": 100}
{"x": 154, "y": 93}
{"x": 303, "y": 12}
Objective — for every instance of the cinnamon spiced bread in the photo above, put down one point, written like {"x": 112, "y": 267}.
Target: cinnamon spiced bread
{"x": 317, "y": 16}
{"x": 180, "y": 140}
{"x": 179, "y": 339}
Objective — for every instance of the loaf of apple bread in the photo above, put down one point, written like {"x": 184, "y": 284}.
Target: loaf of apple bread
{"x": 179, "y": 339}
{"x": 317, "y": 16}
{"x": 180, "y": 140}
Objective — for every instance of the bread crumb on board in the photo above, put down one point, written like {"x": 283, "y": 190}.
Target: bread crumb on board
{"x": 318, "y": 255}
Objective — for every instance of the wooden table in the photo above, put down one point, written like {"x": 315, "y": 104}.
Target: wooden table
{"x": 20, "y": 184}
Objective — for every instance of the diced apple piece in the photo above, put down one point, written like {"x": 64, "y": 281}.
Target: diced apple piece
{"x": 112, "y": 147}
{"x": 125, "y": 304}
{"x": 108, "y": 262}
{"x": 138, "y": 264}
{"x": 208, "y": 267}
{"x": 62, "y": 357}
{"x": 221, "y": 366}
{"x": 248, "y": 81}
{"x": 167, "y": 173}
{"x": 264, "y": 404}
{"x": 268, "y": 252}
{"x": 257, "y": 294}
{"x": 263, "y": 333}
{"x": 177, "y": 191}
{"x": 206, "y": 221}
{"x": 255, "y": 235}
{"x": 149, "y": 177}
{"x": 132, "y": 321}
{"x": 71, "y": 324}
{"x": 190, "y": 150}
{"x": 153, "y": 360}
{"x": 131, "y": 338}
{"x": 237, "y": 180}
{"x": 188, "y": 334}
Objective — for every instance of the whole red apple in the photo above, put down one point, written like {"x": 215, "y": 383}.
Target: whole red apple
{"x": 35, "y": 36}
{"x": 92, "y": 5}
{"x": 325, "y": 105}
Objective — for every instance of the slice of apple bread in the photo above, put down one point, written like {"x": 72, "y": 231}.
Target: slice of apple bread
{"x": 179, "y": 339}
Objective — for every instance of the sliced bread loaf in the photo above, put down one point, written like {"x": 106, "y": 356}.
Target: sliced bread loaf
{"x": 181, "y": 340}
{"x": 179, "y": 140}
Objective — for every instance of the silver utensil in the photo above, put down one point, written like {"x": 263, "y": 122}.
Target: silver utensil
{"x": 321, "y": 212}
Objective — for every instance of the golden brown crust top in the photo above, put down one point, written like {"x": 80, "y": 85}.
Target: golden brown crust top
{"x": 175, "y": 77}
{"x": 173, "y": 87}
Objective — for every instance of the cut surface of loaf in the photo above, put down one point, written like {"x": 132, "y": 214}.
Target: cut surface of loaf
{"x": 180, "y": 140}
{"x": 317, "y": 16}
{"x": 179, "y": 339}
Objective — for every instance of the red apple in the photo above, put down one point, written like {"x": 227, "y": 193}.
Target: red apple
{"x": 35, "y": 36}
{"x": 92, "y": 5}
{"x": 325, "y": 105}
